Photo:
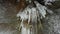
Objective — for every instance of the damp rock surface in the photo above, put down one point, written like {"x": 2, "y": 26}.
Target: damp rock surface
{"x": 7, "y": 18}
{"x": 51, "y": 23}
{"x": 7, "y": 13}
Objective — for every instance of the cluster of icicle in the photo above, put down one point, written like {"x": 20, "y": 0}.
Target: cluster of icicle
{"x": 31, "y": 13}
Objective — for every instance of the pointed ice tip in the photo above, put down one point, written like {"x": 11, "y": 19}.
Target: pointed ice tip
{"x": 36, "y": 2}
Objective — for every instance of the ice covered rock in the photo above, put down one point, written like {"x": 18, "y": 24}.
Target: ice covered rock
{"x": 31, "y": 14}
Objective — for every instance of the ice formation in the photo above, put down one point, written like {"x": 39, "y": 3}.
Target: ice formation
{"x": 32, "y": 14}
{"x": 41, "y": 8}
{"x": 48, "y": 2}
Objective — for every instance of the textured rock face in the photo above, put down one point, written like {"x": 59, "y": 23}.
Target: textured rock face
{"x": 7, "y": 15}
{"x": 51, "y": 24}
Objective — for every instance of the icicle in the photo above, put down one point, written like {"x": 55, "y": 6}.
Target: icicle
{"x": 41, "y": 8}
